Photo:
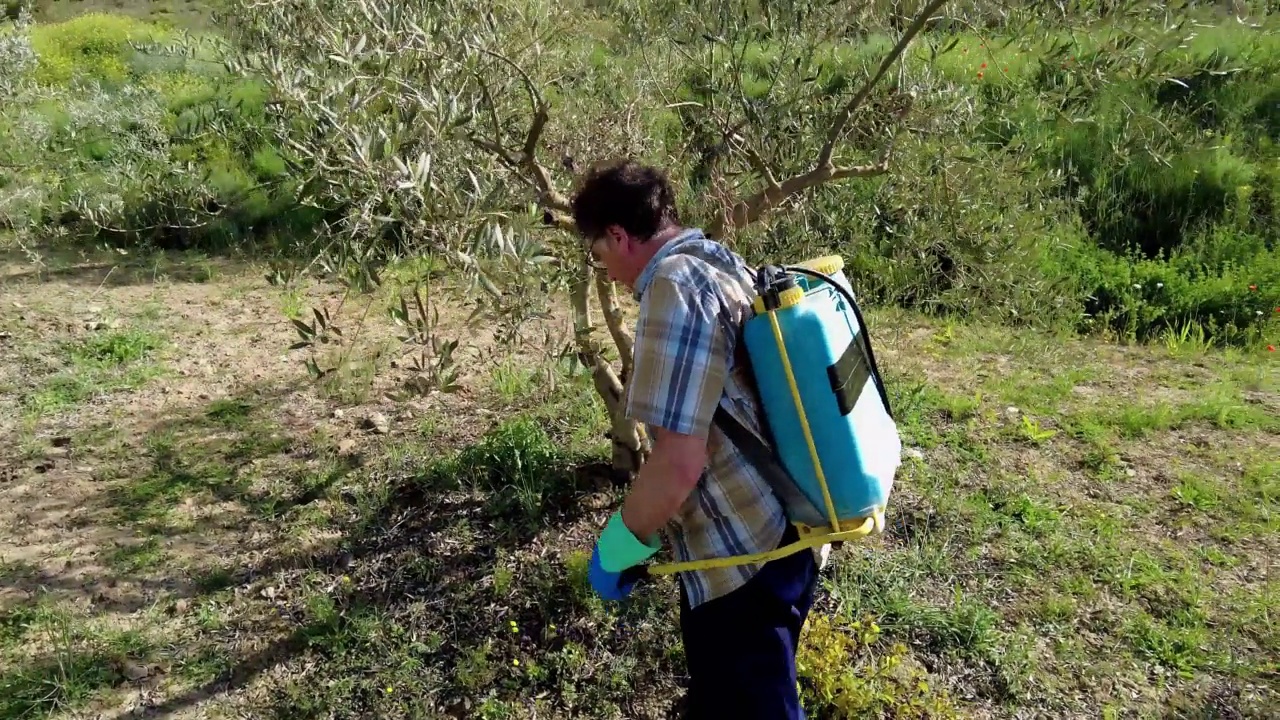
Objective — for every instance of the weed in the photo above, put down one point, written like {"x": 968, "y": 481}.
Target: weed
{"x": 1176, "y": 648}
{"x": 1196, "y": 492}
{"x": 961, "y": 407}
{"x": 81, "y": 661}
{"x": 513, "y": 382}
{"x": 843, "y": 674}
{"x": 517, "y": 462}
{"x": 229, "y": 412}
{"x": 965, "y": 627}
{"x": 1033, "y": 433}
{"x": 113, "y": 348}
{"x": 137, "y": 557}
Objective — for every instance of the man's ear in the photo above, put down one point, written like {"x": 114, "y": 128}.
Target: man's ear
{"x": 619, "y": 236}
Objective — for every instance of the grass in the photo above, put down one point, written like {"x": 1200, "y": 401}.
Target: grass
{"x": 112, "y": 361}
{"x": 219, "y": 455}
{"x": 1022, "y": 568}
{"x": 76, "y": 662}
{"x": 1078, "y": 534}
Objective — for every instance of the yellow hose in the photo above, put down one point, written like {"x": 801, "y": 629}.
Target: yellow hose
{"x": 811, "y": 541}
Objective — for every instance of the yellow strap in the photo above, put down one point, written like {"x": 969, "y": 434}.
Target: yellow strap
{"x": 804, "y": 543}
{"x": 804, "y": 422}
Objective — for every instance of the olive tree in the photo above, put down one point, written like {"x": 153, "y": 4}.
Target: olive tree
{"x": 456, "y": 129}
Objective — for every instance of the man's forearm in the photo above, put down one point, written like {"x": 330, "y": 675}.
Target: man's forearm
{"x": 662, "y": 486}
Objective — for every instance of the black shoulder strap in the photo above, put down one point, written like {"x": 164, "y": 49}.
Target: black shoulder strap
{"x": 763, "y": 458}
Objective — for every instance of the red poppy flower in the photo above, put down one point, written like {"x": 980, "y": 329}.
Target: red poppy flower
{"x": 979, "y": 76}
{"x": 1271, "y": 348}
{"x": 984, "y": 66}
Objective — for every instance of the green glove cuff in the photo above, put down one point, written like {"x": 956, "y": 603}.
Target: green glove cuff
{"x": 620, "y": 549}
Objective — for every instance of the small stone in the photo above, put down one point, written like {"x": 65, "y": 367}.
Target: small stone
{"x": 338, "y": 414}
{"x": 913, "y": 453}
{"x": 1130, "y": 472}
{"x": 1012, "y": 411}
{"x": 347, "y": 447}
{"x": 378, "y": 423}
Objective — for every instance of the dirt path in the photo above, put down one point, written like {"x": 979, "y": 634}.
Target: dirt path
{"x": 161, "y": 429}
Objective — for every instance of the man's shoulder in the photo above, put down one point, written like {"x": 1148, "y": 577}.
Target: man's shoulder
{"x": 700, "y": 265}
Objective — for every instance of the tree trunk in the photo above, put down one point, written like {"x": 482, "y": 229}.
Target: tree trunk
{"x": 630, "y": 442}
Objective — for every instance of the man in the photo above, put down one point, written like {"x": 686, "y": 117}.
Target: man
{"x": 740, "y": 625}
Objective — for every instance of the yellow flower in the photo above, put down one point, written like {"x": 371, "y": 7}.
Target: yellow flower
{"x": 516, "y": 663}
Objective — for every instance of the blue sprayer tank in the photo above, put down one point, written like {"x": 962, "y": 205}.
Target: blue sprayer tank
{"x": 832, "y": 388}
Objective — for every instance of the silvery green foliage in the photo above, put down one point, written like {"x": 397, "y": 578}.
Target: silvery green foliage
{"x": 18, "y": 201}
{"x": 131, "y": 118}
{"x": 17, "y": 58}
{"x": 379, "y": 106}
{"x": 129, "y": 121}
{"x": 42, "y": 151}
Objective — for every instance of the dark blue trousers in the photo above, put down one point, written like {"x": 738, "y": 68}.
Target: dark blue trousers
{"x": 741, "y": 648}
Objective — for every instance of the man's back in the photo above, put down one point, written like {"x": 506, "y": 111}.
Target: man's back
{"x": 694, "y": 296}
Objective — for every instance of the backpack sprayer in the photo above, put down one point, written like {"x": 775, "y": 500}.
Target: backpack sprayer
{"x": 836, "y": 446}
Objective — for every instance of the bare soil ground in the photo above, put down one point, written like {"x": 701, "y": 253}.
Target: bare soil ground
{"x": 191, "y": 527}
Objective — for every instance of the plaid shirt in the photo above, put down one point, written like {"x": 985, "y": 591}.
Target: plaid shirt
{"x": 694, "y": 296}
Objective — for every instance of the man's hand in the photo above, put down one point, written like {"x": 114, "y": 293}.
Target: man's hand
{"x": 608, "y": 585}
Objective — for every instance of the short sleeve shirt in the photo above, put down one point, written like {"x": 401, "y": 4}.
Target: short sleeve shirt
{"x": 694, "y": 295}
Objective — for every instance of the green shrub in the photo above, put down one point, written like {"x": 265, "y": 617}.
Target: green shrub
{"x": 1139, "y": 298}
{"x": 93, "y": 46}
{"x": 1152, "y": 205}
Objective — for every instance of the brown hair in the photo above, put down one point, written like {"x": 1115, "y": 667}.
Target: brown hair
{"x": 637, "y": 197}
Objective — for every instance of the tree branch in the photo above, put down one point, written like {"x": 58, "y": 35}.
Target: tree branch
{"x": 746, "y": 211}
{"x": 555, "y": 205}
{"x": 842, "y": 119}
{"x": 613, "y": 319}
{"x": 630, "y": 442}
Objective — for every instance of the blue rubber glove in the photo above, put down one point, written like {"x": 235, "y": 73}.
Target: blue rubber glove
{"x": 615, "y": 552}
{"x": 608, "y": 585}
